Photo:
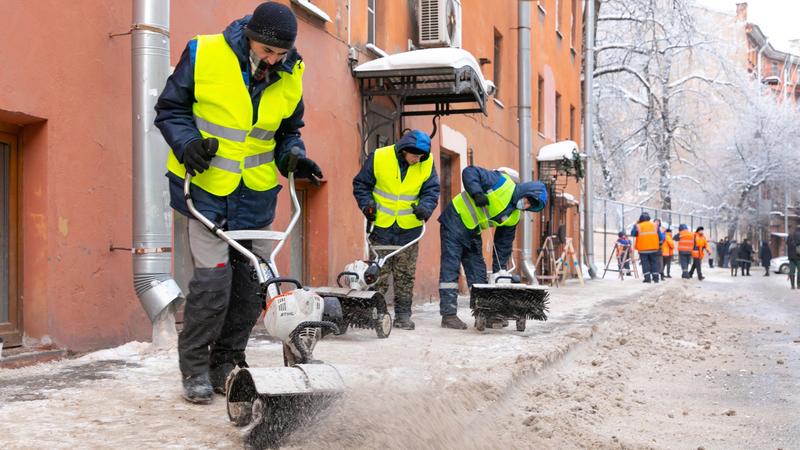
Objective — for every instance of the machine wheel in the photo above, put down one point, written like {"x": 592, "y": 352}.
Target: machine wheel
{"x": 520, "y": 324}
{"x": 784, "y": 269}
{"x": 383, "y": 325}
{"x": 259, "y": 411}
{"x": 480, "y": 322}
{"x": 240, "y": 413}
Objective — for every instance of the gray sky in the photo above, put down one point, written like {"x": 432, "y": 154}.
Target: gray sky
{"x": 776, "y": 18}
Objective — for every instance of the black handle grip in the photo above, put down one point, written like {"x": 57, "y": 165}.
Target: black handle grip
{"x": 504, "y": 277}
{"x": 278, "y": 280}
{"x": 294, "y": 155}
{"x": 343, "y": 274}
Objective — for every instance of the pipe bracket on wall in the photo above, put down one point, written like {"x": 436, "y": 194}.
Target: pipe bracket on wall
{"x": 141, "y": 27}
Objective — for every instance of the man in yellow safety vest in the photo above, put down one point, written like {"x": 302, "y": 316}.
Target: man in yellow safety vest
{"x": 397, "y": 189}
{"x": 231, "y": 113}
{"x": 491, "y": 199}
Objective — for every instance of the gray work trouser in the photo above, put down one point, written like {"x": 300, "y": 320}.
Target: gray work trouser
{"x": 223, "y": 303}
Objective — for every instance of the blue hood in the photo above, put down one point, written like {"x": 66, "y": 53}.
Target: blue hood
{"x": 535, "y": 191}
{"x": 683, "y": 227}
{"x": 234, "y": 35}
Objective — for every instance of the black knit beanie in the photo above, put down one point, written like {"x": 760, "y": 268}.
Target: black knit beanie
{"x": 272, "y": 24}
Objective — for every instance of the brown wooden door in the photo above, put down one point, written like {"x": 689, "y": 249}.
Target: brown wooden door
{"x": 10, "y": 306}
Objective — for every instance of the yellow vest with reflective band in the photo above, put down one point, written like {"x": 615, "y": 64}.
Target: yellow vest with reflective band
{"x": 473, "y": 216}
{"x": 646, "y": 236}
{"x": 224, "y": 110}
{"x": 395, "y": 197}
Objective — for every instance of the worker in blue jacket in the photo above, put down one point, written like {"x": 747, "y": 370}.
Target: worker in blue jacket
{"x": 231, "y": 113}
{"x": 397, "y": 190}
{"x": 490, "y": 199}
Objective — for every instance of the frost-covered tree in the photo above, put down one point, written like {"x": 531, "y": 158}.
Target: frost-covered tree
{"x": 646, "y": 91}
{"x": 757, "y": 149}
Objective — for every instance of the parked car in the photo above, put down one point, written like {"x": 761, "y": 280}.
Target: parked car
{"x": 779, "y": 264}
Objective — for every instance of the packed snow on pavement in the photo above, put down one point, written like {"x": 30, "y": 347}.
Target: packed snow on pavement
{"x": 682, "y": 364}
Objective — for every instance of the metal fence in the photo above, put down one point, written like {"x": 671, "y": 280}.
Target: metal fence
{"x": 610, "y": 217}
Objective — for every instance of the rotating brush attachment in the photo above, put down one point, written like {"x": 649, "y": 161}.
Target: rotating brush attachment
{"x": 520, "y": 301}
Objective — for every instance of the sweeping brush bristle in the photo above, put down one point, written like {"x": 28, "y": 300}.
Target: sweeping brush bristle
{"x": 510, "y": 302}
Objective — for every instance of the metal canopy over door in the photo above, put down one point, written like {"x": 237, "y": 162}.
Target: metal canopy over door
{"x": 10, "y": 311}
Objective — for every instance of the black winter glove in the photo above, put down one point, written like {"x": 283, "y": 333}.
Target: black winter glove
{"x": 421, "y": 212}
{"x": 369, "y": 211}
{"x": 306, "y": 168}
{"x": 197, "y": 155}
{"x": 480, "y": 199}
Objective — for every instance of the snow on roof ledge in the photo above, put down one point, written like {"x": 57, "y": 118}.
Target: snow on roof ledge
{"x": 568, "y": 197}
{"x": 557, "y": 151}
{"x": 782, "y": 235}
{"x": 428, "y": 58}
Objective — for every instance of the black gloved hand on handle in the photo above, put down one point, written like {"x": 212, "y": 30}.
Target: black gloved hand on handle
{"x": 369, "y": 211}
{"x": 421, "y": 213}
{"x": 198, "y": 154}
{"x": 306, "y": 168}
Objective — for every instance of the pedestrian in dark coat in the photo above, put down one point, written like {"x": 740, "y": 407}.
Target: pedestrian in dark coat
{"x": 745, "y": 256}
{"x": 733, "y": 250}
{"x": 765, "y": 255}
{"x": 725, "y": 253}
{"x": 793, "y": 252}
{"x": 720, "y": 250}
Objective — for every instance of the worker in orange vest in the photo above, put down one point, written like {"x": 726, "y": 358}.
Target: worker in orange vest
{"x": 648, "y": 237}
{"x": 667, "y": 250}
{"x": 685, "y": 240}
{"x": 698, "y": 251}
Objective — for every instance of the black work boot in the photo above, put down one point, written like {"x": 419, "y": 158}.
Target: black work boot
{"x": 219, "y": 374}
{"x": 404, "y": 322}
{"x": 197, "y": 389}
{"x": 453, "y": 322}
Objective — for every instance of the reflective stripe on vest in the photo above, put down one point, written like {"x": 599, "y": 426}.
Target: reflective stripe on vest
{"x": 224, "y": 110}
{"x": 499, "y": 199}
{"x": 395, "y": 197}
{"x": 685, "y": 241}
{"x": 646, "y": 236}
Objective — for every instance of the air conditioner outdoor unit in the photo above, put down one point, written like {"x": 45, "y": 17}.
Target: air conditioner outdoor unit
{"x": 439, "y": 23}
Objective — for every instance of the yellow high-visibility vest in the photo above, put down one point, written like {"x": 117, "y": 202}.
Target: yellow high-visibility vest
{"x": 472, "y": 216}
{"x": 224, "y": 110}
{"x": 394, "y": 196}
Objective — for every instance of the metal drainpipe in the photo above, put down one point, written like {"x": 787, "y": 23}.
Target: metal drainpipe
{"x": 524, "y": 116}
{"x": 152, "y": 217}
{"x": 588, "y": 143}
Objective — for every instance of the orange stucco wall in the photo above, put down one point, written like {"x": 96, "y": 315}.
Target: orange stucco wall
{"x": 72, "y": 88}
